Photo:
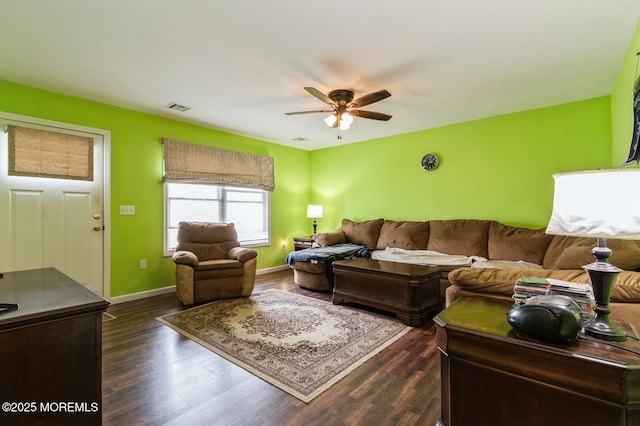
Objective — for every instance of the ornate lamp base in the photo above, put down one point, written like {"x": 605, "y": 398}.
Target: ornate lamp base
{"x": 603, "y": 276}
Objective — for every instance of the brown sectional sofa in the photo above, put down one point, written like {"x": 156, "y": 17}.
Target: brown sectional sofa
{"x": 511, "y": 252}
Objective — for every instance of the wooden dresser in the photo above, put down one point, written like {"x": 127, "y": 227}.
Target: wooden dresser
{"x": 492, "y": 376}
{"x": 50, "y": 350}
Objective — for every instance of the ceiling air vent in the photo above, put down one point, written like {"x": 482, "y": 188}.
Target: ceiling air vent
{"x": 177, "y": 107}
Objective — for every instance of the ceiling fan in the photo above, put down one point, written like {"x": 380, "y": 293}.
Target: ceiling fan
{"x": 345, "y": 107}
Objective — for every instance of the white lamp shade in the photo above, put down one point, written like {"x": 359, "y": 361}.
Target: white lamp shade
{"x": 331, "y": 120}
{"x": 314, "y": 211}
{"x": 599, "y": 203}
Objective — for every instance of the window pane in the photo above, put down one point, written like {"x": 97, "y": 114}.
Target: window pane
{"x": 193, "y": 210}
{"x": 186, "y": 190}
{"x": 246, "y": 208}
{"x": 247, "y": 217}
{"x": 234, "y": 195}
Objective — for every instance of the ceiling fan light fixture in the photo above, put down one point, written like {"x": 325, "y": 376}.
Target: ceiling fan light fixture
{"x": 331, "y": 120}
{"x": 344, "y": 107}
{"x": 345, "y": 121}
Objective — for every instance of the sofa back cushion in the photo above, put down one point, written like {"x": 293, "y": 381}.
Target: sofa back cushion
{"x": 512, "y": 243}
{"x": 468, "y": 237}
{"x": 364, "y": 233}
{"x": 567, "y": 252}
{"x": 404, "y": 235}
{"x": 207, "y": 240}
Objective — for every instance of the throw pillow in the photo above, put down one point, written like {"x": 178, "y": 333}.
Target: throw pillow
{"x": 363, "y": 233}
{"x": 513, "y": 243}
{"x": 404, "y": 235}
{"x": 468, "y": 237}
{"x": 626, "y": 254}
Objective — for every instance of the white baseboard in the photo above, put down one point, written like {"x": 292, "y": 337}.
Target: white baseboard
{"x": 143, "y": 294}
{"x": 272, "y": 269}
{"x": 172, "y": 288}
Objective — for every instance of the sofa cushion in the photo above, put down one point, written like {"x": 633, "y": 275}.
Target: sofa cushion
{"x": 566, "y": 252}
{"x": 330, "y": 238}
{"x": 501, "y": 281}
{"x": 459, "y": 236}
{"x": 511, "y": 243}
{"x": 404, "y": 235}
{"x": 363, "y": 233}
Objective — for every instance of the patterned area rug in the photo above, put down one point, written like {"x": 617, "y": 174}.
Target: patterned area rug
{"x": 299, "y": 344}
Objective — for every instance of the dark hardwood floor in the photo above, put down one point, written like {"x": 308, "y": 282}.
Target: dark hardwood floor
{"x": 154, "y": 376}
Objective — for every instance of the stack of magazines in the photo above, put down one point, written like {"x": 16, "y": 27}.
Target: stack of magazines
{"x": 527, "y": 287}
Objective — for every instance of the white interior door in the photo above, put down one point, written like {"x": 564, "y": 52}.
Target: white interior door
{"x": 47, "y": 222}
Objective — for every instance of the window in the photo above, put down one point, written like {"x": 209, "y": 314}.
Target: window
{"x": 247, "y": 208}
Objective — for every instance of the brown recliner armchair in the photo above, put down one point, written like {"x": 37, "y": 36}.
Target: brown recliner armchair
{"x": 210, "y": 264}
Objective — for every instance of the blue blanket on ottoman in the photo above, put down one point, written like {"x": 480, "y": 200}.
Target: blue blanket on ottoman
{"x": 326, "y": 255}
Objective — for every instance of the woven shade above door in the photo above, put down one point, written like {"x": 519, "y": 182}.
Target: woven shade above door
{"x": 42, "y": 153}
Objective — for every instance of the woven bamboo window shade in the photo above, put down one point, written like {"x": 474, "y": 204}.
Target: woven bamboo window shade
{"x": 191, "y": 163}
{"x": 42, "y": 153}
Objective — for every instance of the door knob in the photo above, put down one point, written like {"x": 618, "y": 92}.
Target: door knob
{"x": 97, "y": 216}
{"x": 97, "y": 228}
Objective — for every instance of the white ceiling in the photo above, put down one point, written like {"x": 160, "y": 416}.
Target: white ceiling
{"x": 242, "y": 64}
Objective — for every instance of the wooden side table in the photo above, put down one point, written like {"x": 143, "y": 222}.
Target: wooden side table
{"x": 301, "y": 243}
{"x": 492, "y": 376}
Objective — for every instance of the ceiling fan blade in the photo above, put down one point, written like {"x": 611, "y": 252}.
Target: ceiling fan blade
{"x": 370, "y": 98}
{"x": 307, "y": 112}
{"x": 370, "y": 114}
{"x": 318, "y": 94}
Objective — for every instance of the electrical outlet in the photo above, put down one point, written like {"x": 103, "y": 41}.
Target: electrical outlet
{"x": 127, "y": 210}
{"x": 143, "y": 263}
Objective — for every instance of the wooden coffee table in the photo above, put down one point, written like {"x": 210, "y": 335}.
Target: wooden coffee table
{"x": 490, "y": 375}
{"x": 412, "y": 292}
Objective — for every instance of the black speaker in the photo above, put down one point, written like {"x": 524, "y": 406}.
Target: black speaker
{"x": 549, "y": 318}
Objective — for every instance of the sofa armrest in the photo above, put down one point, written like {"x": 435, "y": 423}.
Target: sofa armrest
{"x": 184, "y": 257}
{"x": 329, "y": 238}
{"x": 242, "y": 254}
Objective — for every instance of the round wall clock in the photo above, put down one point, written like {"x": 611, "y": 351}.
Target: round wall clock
{"x": 430, "y": 162}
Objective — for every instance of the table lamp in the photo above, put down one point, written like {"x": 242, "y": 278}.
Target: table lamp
{"x": 314, "y": 211}
{"x": 599, "y": 204}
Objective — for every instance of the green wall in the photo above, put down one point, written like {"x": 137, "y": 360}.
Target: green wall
{"x": 622, "y": 102}
{"x": 496, "y": 168}
{"x": 136, "y": 172}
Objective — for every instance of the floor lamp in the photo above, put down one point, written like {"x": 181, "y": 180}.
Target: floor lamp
{"x": 599, "y": 204}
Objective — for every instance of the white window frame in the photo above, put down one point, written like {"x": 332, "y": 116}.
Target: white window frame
{"x": 245, "y": 243}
